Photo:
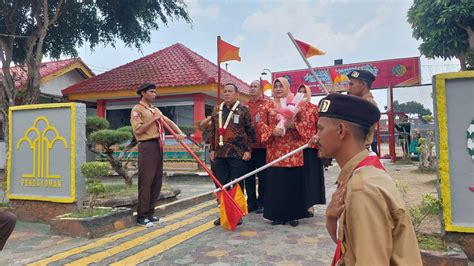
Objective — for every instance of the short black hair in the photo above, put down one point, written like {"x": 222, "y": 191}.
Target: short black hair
{"x": 233, "y": 85}
{"x": 360, "y": 132}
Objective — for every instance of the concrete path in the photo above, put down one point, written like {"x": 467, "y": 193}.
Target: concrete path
{"x": 184, "y": 237}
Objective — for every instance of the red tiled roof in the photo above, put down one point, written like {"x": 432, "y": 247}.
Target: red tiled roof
{"x": 46, "y": 69}
{"x": 173, "y": 66}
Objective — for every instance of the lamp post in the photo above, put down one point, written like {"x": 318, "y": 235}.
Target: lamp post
{"x": 264, "y": 72}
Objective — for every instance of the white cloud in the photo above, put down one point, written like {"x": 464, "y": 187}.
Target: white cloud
{"x": 309, "y": 22}
{"x": 196, "y": 9}
{"x": 238, "y": 40}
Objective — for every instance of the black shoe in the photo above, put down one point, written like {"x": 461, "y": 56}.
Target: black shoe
{"x": 153, "y": 219}
{"x": 294, "y": 223}
{"x": 217, "y": 222}
{"x": 276, "y": 222}
{"x": 259, "y": 210}
{"x": 145, "y": 222}
{"x": 310, "y": 214}
{"x": 239, "y": 222}
{"x": 252, "y": 209}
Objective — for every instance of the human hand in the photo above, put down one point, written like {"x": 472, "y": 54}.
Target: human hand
{"x": 157, "y": 115}
{"x": 246, "y": 156}
{"x": 212, "y": 155}
{"x": 337, "y": 204}
{"x": 277, "y": 132}
{"x": 181, "y": 137}
{"x": 290, "y": 124}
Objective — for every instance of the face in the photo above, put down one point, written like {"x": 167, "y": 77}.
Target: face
{"x": 302, "y": 90}
{"x": 230, "y": 94}
{"x": 278, "y": 90}
{"x": 327, "y": 137}
{"x": 149, "y": 95}
{"x": 255, "y": 89}
{"x": 356, "y": 87}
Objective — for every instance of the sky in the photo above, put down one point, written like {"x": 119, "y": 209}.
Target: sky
{"x": 355, "y": 31}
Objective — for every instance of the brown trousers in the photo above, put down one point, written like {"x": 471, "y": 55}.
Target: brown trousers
{"x": 150, "y": 177}
{"x": 7, "y": 224}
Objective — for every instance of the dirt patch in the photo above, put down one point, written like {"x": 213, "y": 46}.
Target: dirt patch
{"x": 417, "y": 183}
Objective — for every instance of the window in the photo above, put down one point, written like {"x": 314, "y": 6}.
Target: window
{"x": 119, "y": 118}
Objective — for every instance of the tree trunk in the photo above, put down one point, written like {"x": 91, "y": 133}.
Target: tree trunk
{"x": 470, "y": 34}
{"x": 118, "y": 167}
{"x": 462, "y": 61}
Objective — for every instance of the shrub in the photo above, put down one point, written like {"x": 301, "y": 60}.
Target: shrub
{"x": 188, "y": 130}
{"x": 110, "y": 137}
{"x": 94, "y": 123}
{"x": 98, "y": 132}
{"x": 402, "y": 187}
{"x": 93, "y": 171}
{"x": 430, "y": 206}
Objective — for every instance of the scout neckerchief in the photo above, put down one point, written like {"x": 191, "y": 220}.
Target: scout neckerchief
{"x": 158, "y": 124}
{"x": 370, "y": 160}
{"x": 222, "y": 129}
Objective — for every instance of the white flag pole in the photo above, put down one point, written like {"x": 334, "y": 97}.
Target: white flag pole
{"x": 307, "y": 63}
{"x": 263, "y": 167}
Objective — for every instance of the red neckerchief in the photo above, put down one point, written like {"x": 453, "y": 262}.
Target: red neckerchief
{"x": 158, "y": 124}
{"x": 371, "y": 160}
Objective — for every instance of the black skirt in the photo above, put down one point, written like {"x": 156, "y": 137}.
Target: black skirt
{"x": 313, "y": 175}
{"x": 284, "y": 194}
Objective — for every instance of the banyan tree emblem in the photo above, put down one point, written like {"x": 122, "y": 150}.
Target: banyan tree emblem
{"x": 470, "y": 139}
{"x": 41, "y": 145}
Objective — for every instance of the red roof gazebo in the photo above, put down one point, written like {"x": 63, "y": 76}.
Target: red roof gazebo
{"x": 186, "y": 86}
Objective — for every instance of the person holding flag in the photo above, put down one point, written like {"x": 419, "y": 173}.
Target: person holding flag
{"x": 366, "y": 216}
{"x": 259, "y": 153}
{"x": 231, "y": 138}
{"x": 284, "y": 197}
{"x": 150, "y": 134}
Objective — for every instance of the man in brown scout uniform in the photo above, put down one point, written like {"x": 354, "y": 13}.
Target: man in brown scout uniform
{"x": 374, "y": 225}
{"x": 145, "y": 120}
{"x": 259, "y": 152}
{"x": 231, "y": 136}
{"x": 360, "y": 82}
{"x": 7, "y": 224}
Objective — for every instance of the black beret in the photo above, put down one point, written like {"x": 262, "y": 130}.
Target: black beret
{"x": 349, "y": 108}
{"x": 364, "y": 75}
{"x": 145, "y": 86}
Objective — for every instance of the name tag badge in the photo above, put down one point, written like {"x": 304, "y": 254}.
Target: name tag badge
{"x": 257, "y": 117}
{"x": 236, "y": 119}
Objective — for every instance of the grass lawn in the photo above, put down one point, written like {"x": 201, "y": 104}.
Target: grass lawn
{"x": 121, "y": 190}
{"x": 431, "y": 242}
{"x": 86, "y": 213}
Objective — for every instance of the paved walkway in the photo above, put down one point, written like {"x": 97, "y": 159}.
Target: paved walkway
{"x": 185, "y": 237}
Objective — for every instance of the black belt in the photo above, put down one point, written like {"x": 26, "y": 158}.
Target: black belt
{"x": 154, "y": 139}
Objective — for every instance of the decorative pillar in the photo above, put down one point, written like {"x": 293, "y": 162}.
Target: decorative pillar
{"x": 199, "y": 114}
{"x": 100, "y": 108}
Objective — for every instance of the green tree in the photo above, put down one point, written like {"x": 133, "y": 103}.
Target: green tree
{"x": 411, "y": 107}
{"x": 97, "y": 132}
{"x": 445, "y": 27}
{"x": 93, "y": 171}
{"x": 31, "y": 29}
